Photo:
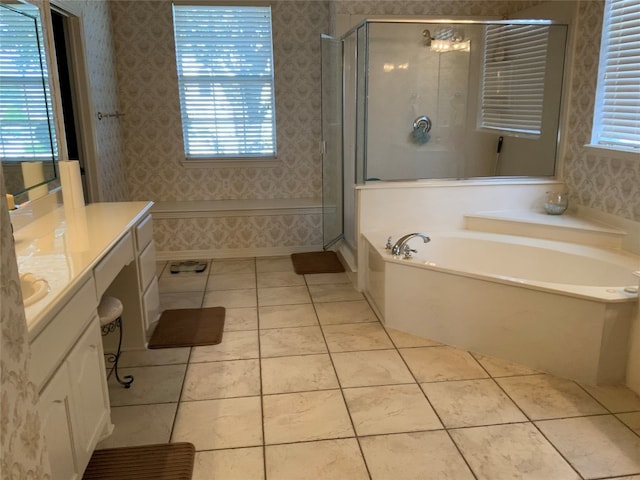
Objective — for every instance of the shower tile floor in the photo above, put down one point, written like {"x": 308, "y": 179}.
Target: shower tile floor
{"x": 307, "y": 384}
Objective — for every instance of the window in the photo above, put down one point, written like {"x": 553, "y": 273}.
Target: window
{"x": 224, "y": 56}
{"x": 26, "y": 131}
{"x": 617, "y": 114}
{"x": 514, "y": 68}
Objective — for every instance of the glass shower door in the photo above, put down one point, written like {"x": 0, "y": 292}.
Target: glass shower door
{"x": 332, "y": 191}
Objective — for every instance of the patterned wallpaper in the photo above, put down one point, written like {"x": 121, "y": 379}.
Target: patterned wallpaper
{"x": 111, "y": 168}
{"x": 603, "y": 182}
{"x": 147, "y": 79}
{"x": 22, "y": 447}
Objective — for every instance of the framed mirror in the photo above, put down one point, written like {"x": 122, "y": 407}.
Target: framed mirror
{"x": 28, "y": 145}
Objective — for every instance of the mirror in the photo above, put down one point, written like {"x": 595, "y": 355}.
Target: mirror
{"x": 28, "y": 147}
{"x": 459, "y": 100}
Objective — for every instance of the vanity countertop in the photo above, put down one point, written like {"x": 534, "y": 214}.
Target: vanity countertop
{"x": 64, "y": 245}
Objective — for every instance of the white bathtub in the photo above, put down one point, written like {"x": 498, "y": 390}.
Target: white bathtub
{"x": 558, "y": 307}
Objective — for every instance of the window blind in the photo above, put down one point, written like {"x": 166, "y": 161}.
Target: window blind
{"x": 617, "y": 112}
{"x": 224, "y": 57}
{"x": 26, "y": 128}
{"x": 515, "y": 58}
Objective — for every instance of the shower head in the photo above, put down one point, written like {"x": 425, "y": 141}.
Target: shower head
{"x": 426, "y": 34}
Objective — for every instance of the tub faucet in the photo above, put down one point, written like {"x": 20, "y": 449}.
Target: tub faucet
{"x": 398, "y": 247}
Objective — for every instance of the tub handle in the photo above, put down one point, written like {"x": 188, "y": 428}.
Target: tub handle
{"x": 389, "y": 244}
{"x": 408, "y": 251}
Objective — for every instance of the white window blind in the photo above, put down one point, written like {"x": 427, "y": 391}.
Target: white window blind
{"x": 224, "y": 56}
{"x": 515, "y": 58}
{"x": 617, "y": 113}
{"x": 26, "y": 128}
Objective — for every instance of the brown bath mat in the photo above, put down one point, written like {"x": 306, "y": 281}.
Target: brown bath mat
{"x": 165, "y": 461}
{"x": 316, "y": 262}
{"x": 188, "y": 327}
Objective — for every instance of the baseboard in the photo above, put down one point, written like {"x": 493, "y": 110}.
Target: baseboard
{"x": 235, "y": 252}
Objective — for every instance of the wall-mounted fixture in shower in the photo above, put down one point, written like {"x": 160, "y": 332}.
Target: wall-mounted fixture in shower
{"x": 446, "y": 40}
{"x": 421, "y": 128}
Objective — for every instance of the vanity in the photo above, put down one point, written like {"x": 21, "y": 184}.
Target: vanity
{"x": 83, "y": 254}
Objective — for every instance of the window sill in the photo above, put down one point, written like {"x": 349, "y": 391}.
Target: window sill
{"x": 267, "y": 162}
{"x": 613, "y": 152}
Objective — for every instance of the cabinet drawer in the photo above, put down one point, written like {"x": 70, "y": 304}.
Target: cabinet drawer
{"x": 144, "y": 233}
{"x": 112, "y": 263}
{"x": 55, "y": 341}
{"x": 151, "y": 304}
{"x": 147, "y": 265}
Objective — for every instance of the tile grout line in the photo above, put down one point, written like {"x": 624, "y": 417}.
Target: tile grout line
{"x": 344, "y": 400}
{"x": 264, "y": 438}
{"x": 464, "y": 459}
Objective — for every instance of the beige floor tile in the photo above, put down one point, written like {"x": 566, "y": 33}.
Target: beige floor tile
{"x": 297, "y": 417}
{"x": 356, "y": 336}
{"x": 599, "y": 446}
{"x": 414, "y": 456}
{"x": 279, "y": 279}
{"x": 298, "y": 374}
{"x": 434, "y": 364}
{"x": 544, "y": 397}
{"x": 498, "y": 367}
{"x": 217, "y": 424}
{"x": 505, "y": 452}
{"x": 233, "y": 378}
{"x": 390, "y": 409}
{"x": 279, "y": 342}
{"x": 274, "y": 264}
{"x": 471, "y": 403}
{"x": 231, "y": 281}
{"x": 140, "y": 425}
{"x": 356, "y": 311}
{"x": 632, "y": 420}
{"x": 156, "y": 384}
{"x": 236, "y": 265}
{"x": 283, "y": 296}
{"x": 234, "y": 464}
{"x": 234, "y": 346}
{"x": 177, "y": 300}
{"x": 371, "y": 368}
{"x": 334, "y": 293}
{"x": 281, "y": 316}
{"x": 325, "y": 459}
{"x": 231, "y": 298}
{"x": 616, "y": 398}
{"x": 237, "y": 319}
{"x": 182, "y": 282}
{"x": 326, "y": 278}
{"x": 404, "y": 340}
{"x": 159, "y": 356}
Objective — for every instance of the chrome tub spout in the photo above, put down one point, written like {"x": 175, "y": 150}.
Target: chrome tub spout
{"x": 398, "y": 247}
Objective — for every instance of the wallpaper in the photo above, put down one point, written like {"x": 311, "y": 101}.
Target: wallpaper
{"x": 148, "y": 89}
{"x": 607, "y": 183}
{"x": 22, "y": 449}
{"x": 111, "y": 168}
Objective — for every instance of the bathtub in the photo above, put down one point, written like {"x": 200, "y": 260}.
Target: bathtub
{"x": 557, "y": 307}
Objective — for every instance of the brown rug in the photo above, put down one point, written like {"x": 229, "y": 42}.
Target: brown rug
{"x": 166, "y": 461}
{"x": 188, "y": 327}
{"x": 316, "y": 262}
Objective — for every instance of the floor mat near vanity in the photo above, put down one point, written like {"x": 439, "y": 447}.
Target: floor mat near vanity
{"x": 316, "y": 262}
{"x": 165, "y": 461}
{"x": 189, "y": 327}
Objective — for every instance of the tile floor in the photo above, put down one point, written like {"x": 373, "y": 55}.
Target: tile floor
{"x": 307, "y": 384}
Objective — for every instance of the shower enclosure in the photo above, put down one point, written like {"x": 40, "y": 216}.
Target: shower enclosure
{"x": 442, "y": 99}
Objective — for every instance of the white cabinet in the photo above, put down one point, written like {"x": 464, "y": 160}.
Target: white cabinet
{"x": 89, "y": 392}
{"x": 68, "y": 368}
{"x": 56, "y": 407}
